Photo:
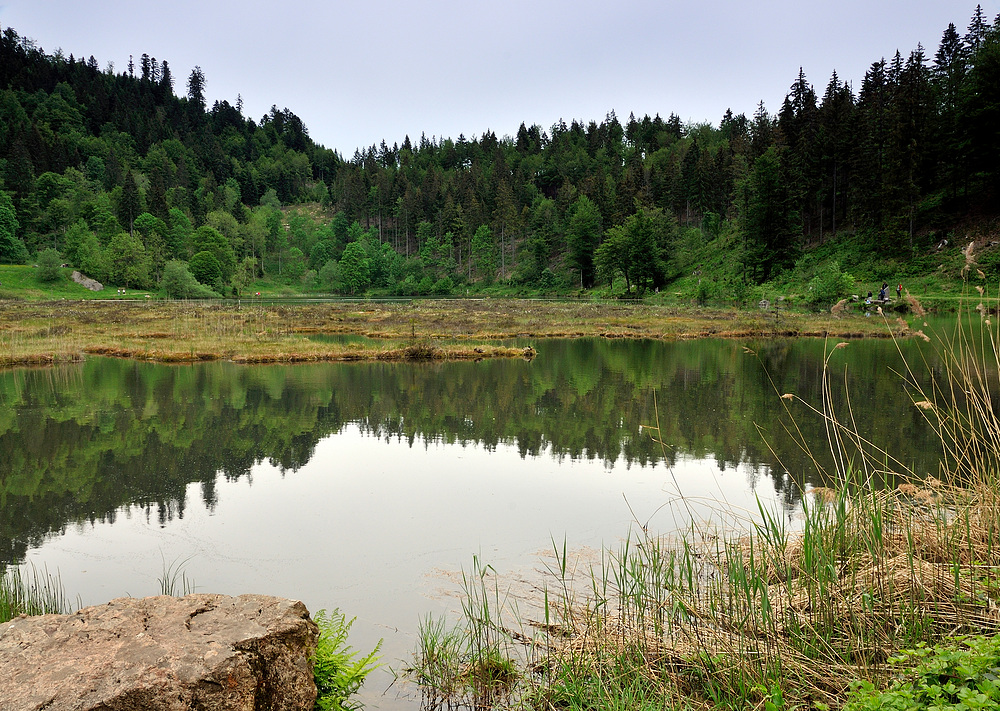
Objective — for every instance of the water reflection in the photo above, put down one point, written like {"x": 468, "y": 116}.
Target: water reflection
{"x": 350, "y": 484}
{"x": 79, "y": 442}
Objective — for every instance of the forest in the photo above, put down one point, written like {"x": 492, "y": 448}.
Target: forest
{"x": 117, "y": 174}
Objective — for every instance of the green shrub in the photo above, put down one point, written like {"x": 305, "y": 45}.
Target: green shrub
{"x": 829, "y": 285}
{"x": 443, "y": 286}
{"x": 179, "y": 283}
{"x": 205, "y": 267}
{"x": 338, "y": 672}
{"x": 48, "y": 266}
{"x": 962, "y": 677}
{"x": 704, "y": 292}
{"x": 329, "y": 276}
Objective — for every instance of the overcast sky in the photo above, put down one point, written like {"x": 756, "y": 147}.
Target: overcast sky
{"x": 360, "y": 71}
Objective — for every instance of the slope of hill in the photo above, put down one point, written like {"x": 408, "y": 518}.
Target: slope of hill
{"x": 140, "y": 187}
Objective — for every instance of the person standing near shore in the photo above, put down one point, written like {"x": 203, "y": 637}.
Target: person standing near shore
{"x": 899, "y": 291}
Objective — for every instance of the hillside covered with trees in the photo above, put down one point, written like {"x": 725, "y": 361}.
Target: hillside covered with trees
{"x": 118, "y": 175}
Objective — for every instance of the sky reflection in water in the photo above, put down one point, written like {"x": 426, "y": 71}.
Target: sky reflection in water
{"x": 381, "y": 529}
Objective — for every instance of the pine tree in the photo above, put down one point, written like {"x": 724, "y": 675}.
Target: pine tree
{"x": 771, "y": 225}
{"x": 583, "y": 234}
{"x": 130, "y": 206}
{"x": 196, "y": 90}
{"x": 914, "y": 107}
{"x": 872, "y": 140}
{"x": 834, "y": 140}
{"x": 978, "y": 28}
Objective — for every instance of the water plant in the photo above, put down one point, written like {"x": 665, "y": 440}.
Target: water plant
{"x": 37, "y": 593}
{"x": 476, "y": 663}
{"x": 959, "y": 676}
{"x": 174, "y": 580}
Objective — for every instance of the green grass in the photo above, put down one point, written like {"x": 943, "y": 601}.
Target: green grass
{"x": 21, "y": 282}
{"x": 174, "y": 581}
{"x": 37, "y": 593}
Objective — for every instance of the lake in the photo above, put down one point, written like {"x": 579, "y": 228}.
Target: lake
{"x": 369, "y": 487}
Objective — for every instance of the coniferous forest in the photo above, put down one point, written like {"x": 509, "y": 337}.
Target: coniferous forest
{"x": 129, "y": 176}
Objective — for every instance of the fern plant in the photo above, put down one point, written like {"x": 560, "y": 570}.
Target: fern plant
{"x": 337, "y": 670}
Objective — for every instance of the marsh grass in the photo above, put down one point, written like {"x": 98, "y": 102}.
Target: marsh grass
{"x": 478, "y": 663}
{"x": 174, "y": 580}
{"x": 243, "y": 332}
{"x": 251, "y": 332}
{"x": 789, "y": 615}
{"x": 34, "y": 593}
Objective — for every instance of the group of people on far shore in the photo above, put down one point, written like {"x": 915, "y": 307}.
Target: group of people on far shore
{"x": 883, "y": 294}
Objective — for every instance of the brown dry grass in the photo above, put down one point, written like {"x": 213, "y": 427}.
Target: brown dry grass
{"x": 32, "y": 332}
{"x": 813, "y": 611}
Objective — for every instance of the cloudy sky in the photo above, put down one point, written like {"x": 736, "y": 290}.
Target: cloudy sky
{"x": 360, "y": 71}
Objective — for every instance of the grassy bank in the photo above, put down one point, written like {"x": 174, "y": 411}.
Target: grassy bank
{"x": 252, "y": 331}
{"x": 815, "y": 614}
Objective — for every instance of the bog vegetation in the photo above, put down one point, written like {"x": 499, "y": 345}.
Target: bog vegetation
{"x": 128, "y": 175}
{"x": 878, "y": 598}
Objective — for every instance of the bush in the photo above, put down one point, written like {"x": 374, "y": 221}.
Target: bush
{"x": 704, "y": 292}
{"x": 829, "y": 285}
{"x": 179, "y": 283}
{"x": 443, "y": 286}
{"x": 329, "y": 276}
{"x": 48, "y": 266}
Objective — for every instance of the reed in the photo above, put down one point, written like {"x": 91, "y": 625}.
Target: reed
{"x": 174, "y": 580}
{"x": 477, "y": 663}
{"x": 783, "y": 617}
{"x": 30, "y": 593}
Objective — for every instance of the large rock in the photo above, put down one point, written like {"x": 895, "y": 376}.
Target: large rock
{"x": 204, "y": 652}
{"x": 86, "y": 281}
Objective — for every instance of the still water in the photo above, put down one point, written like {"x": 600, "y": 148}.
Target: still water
{"x": 369, "y": 487}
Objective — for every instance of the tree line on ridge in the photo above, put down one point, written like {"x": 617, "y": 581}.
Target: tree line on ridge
{"x": 116, "y": 174}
